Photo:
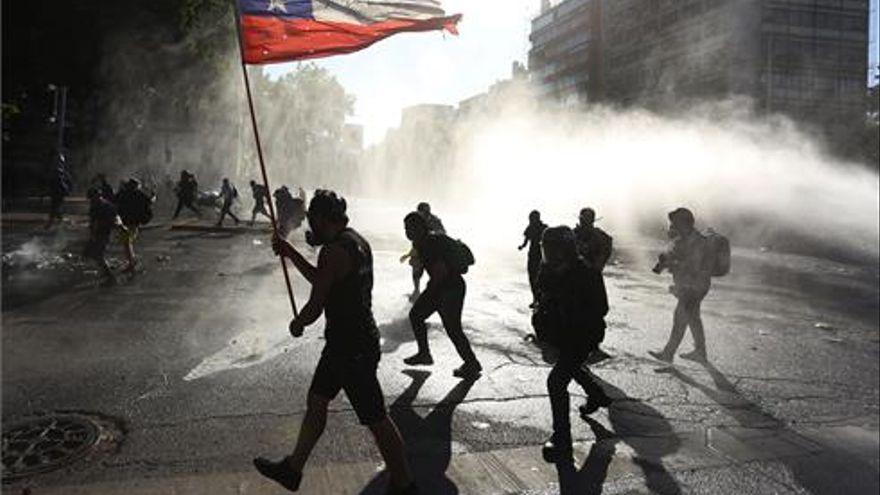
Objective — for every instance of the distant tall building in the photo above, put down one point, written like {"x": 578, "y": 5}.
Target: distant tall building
{"x": 806, "y": 59}
{"x": 565, "y": 59}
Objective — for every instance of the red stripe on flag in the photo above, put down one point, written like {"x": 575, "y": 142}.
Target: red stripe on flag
{"x": 268, "y": 39}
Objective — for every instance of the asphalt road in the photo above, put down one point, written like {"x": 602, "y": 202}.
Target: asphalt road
{"x": 192, "y": 360}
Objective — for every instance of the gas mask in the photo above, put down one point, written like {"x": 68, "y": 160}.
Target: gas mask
{"x": 313, "y": 238}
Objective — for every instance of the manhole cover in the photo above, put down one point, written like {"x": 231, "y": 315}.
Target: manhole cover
{"x": 46, "y": 443}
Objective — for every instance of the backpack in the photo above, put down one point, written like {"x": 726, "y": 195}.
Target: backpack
{"x": 143, "y": 208}
{"x": 717, "y": 253}
{"x": 460, "y": 255}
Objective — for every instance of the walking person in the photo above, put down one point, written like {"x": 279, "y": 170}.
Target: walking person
{"x": 573, "y": 305}
{"x": 103, "y": 219}
{"x": 186, "y": 190}
{"x": 103, "y": 186}
{"x": 135, "y": 208}
{"x": 691, "y": 279}
{"x": 594, "y": 244}
{"x": 446, "y": 261}
{"x": 261, "y": 195}
{"x": 532, "y": 239}
{"x": 418, "y": 266}
{"x": 228, "y": 193}
{"x": 342, "y": 286}
{"x": 284, "y": 208}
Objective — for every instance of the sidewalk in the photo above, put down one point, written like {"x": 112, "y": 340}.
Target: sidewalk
{"x": 714, "y": 460}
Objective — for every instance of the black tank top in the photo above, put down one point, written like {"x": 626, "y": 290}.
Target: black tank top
{"x": 350, "y": 327}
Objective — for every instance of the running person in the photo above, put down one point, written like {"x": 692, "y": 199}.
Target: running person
{"x": 444, "y": 294}
{"x": 418, "y": 267}
{"x": 261, "y": 195}
{"x": 228, "y": 193}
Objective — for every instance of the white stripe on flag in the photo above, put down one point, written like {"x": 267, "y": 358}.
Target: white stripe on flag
{"x": 370, "y": 11}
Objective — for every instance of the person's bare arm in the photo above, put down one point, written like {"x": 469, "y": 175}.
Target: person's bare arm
{"x": 333, "y": 263}
{"x": 285, "y": 249}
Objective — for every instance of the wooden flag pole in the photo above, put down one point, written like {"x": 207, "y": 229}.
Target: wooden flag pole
{"x": 247, "y": 86}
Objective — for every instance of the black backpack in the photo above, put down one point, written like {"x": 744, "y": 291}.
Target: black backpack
{"x": 144, "y": 208}
{"x": 460, "y": 257}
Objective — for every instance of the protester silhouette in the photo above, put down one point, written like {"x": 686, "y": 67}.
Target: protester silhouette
{"x": 261, "y": 195}
{"x": 342, "y": 287}
{"x": 446, "y": 260}
{"x": 532, "y": 239}
{"x": 435, "y": 225}
{"x": 594, "y": 244}
{"x": 135, "y": 208}
{"x": 691, "y": 278}
{"x": 187, "y": 190}
{"x": 570, "y": 316}
{"x": 228, "y": 193}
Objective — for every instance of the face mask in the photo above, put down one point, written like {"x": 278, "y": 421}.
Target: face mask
{"x": 312, "y": 237}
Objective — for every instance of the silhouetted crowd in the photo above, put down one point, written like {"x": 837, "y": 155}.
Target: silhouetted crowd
{"x": 569, "y": 302}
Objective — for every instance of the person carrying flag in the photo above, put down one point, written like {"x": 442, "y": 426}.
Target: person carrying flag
{"x": 342, "y": 287}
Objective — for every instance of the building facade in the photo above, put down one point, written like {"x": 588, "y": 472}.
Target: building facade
{"x": 565, "y": 57}
{"x": 803, "y": 58}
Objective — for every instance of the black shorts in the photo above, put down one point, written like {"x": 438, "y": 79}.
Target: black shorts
{"x": 357, "y": 376}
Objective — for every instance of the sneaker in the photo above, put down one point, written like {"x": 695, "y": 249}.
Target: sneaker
{"x": 419, "y": 359}
{"x": 279, "y": 472}
{"x": 661, "y": 356}
{"x": 468, "y": 371}
{"x": 694, "y": 356}
{"x": 555, "y": 451}
{"x": 593, "y": 404}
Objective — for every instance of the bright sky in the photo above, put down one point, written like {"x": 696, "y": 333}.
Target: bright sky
{"x": 433, "y": 67}
{"x": 412, "y": 68}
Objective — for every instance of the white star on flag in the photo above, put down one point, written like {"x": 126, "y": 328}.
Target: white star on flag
{"x": 277, "y": 4}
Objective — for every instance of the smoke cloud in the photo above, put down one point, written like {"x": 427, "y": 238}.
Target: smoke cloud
{"x": 760, "y": 180}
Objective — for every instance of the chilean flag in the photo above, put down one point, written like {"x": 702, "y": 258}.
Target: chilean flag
{"x": 284, "y": 30}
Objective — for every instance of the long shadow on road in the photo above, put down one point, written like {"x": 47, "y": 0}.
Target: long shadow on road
{"x": 830, "y": 472}
{"x": 428, "y": 440}
{"x": 638, "y": 425}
